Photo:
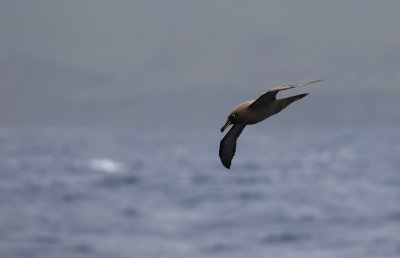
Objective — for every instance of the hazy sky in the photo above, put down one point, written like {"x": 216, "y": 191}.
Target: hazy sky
{"x": 237, "y": 42}
{"x": 145, "y": 47}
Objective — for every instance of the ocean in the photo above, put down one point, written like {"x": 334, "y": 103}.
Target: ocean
{"x": 307, "y": 192}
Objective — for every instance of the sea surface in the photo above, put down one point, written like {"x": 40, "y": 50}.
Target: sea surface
{"x": 292, "y": 192}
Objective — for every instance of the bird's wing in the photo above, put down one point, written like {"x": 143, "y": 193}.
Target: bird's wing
{"x": 227, "y": 146}
{"x": 271, "y": 94}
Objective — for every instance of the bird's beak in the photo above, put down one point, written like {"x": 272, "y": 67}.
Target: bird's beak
{"x": 225, "y": 125}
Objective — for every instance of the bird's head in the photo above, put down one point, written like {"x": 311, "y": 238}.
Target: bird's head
{"x": 238, "y": 115}
{"x": 232, "y": 119}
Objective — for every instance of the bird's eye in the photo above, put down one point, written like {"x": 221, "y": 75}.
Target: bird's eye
{"x": 233, "y": 115}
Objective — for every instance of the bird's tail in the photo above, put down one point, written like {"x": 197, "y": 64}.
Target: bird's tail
{"x": 294, "y": 98}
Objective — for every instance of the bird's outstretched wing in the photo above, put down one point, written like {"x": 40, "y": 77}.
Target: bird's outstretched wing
{"x": 271, "y": 94}
{"x": 227, "y": 146}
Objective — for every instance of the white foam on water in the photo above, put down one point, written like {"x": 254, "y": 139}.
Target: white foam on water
{"x": 106, "y": 166}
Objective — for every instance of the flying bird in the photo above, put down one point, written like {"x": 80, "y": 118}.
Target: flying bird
{"x": 252, "y": 112}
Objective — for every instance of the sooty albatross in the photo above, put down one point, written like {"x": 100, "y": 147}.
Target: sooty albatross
{"x": 252, "y": 112}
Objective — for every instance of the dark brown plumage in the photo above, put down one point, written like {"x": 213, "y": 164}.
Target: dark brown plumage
{"x": 252, "y": 112}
